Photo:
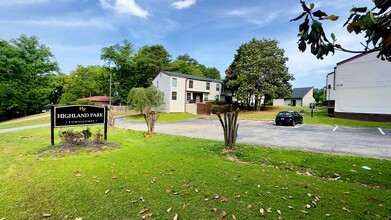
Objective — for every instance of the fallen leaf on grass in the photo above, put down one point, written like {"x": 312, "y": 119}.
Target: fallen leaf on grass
{"x": 78, "y": 218}
{"x": 238, "y": 196}
{"x": 213, "y": 210}
{"x": 142, "y": 199}
{"x": 279, "y": 212}
{"x": 147, "y": 215}
{"x": 223, "y": 214}
{"x": 46, "y": 215}
{"x": 269, "y": 209}
{"x": 328, "y": 215}
{"x": 345, "y": 209}
{"x": 169, "y": 209}
{"x": 114, "y": 177}
{"x": 133, "y": 201}
{"x": 196, "y": 190}
{"x": 127, "y": 190}
{"x": 290, "y": 207}
{"x": 185, "y": 194}
{"x": 143, "y": 211}
{"x": 168, "y": 190}
{"x": 249, "y": 206}
{"x": 305, "y": 212}
{"x": 223, "y": 199}
{"x": 216, "y": 196}
{"x": 262, "y": 211}
{"x": 185, "y": 205}
{"x": 175, "y": 217}
{"x": 309, "y": 194}
{"x": 107, "y": 191}
{"x": 308, "y": 206}
{"x": 233, "y": 217}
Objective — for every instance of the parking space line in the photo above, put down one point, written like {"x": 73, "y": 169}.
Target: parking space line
{"x": 335, "y": 128}
{"x": 381, "y": 131}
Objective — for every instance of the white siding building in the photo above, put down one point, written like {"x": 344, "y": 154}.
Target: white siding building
{"x": 361, "y": 88}
{"x": 182, "y": 92}
{"x": 300, "y": 97}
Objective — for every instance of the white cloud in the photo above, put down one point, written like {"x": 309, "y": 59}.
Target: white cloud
{"x": 125, "y": 7}
{"x": 183, "y": 4}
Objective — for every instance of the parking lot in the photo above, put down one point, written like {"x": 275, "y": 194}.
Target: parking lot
{"x": 371, "y": 142}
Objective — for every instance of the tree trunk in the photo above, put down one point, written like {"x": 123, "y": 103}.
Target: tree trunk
{"x": 111, "y": 119}
{"x": 230, "y": 128}
{"x": 150, "y": 119}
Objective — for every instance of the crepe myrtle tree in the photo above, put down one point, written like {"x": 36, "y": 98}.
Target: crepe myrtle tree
{"x": 375, "y": 23}
{"x": 143, "y": 100}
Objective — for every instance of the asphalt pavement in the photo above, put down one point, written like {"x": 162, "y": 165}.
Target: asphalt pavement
{"x": 369, "y": 142}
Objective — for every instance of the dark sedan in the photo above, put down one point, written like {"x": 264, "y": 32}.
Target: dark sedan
{"x": 289, "y": 117}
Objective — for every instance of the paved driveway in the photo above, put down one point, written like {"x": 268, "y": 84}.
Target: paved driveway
{"x": 371, "y": 142}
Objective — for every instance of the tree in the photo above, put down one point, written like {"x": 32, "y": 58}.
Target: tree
{"x": 148, "y": 62}
{"x": 319, "y": 94}
{"x": 375, "y": 22}
{"x": 84, "y": 82}
{"x": 119, "y": 61}
{"x": 24, "y": 65}
{"x": 182, "y": 66}
{"x": 143, "y": 99}
{"x": 258, "y": 70}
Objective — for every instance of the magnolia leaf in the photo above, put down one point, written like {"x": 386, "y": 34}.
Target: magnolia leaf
{"x": 169, "y": 209}
{"x": 107, "y": 191}
{"x": 46, "y": 215}
{"x": 345, "y": 209}
{"x": 309, "y": 194}
{"x": 290, "y": 207}
{"x": 147, "y": 215}
{"x": 216, "y": 196}
{"x": 78, "y": 218}
{"x": 175, "y": 217}
{"x": 223, "y": 214}
{"x": 319, "y": 14}
{"x": 196, "y": 190}
{"x": 142, "y": 199}
{"x": 269, "y": 209}
{"x": 133, "y": 201}
{"x": 299, "y": 17}
{"x": 332, "y": 17}
{"x": 305, "y": 8}
{"x": 127, "y": 190}
{"x": 213, "y": 210}
{"x": 279, "y": 212}
{"x": 308, "y": 206}
{"x": 262, "y": 211}
{"x": 185, "y": 205}
{"x": 114, "y": 177}
{"x": 328, "y": 215}
{"x": 143, "y": 211}
{"x": 350, "y": 28}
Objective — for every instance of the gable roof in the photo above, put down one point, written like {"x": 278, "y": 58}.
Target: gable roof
{"x": 97, "y": 98}
{"x": 191, "y": 77}
{"x": 299, "y": 93}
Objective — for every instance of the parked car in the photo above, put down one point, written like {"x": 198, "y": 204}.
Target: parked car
{"x": 289, "y": 117}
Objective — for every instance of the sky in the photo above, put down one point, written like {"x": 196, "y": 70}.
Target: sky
{"x": 209, "y": 31}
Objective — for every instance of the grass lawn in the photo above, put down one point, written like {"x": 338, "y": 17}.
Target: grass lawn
{"x": 165, "y": 117}
{"x": 29, "y": 120}
{"x": 171, "y": 175}
{"x": 319, "y": 117}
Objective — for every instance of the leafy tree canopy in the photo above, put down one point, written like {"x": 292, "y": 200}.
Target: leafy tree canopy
{"x": 375, "y": 23}
{"x": 143, "y": 99}
{"x": 25, "y": 64}
{"x": 258, "y": 70}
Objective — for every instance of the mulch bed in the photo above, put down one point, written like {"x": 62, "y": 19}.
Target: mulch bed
{"x": 81, "y": 145}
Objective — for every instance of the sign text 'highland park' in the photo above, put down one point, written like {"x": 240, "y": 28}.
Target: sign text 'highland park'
{"x": 78, "y": 115}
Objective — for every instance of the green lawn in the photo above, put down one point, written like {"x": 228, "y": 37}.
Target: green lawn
{"x": 29, "y": 120}
{"x": 165, "y": 117}
{"x": 189, "y": 177}
{"x": 319, "y": 117}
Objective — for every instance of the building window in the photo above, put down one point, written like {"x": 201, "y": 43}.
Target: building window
{"x": 217, "y": 98}
{"x": 157, "y": 84}
{"x": 190, "y": 84}
{"x": 174, "y": 82}
{"x": 207, "y": 86}
{"x": 217, "y": 87}
{"x": 188, "y": 96}
{"x": 173, "y": 96}
{"x": 206, "y": 96}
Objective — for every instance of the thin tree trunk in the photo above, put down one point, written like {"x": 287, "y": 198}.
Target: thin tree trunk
{"x": 230, "y": 128}
{"x": 150, "y": 119}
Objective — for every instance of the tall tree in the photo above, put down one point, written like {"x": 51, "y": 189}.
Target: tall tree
{"x": 148, "y": 62}
{"x": 259, "y": 70}
{"x": 119, "y": 60}
{"x": 23, "y": 86}
{"x": 84, "y": 82}
{"x": 182, "y": 66}
{"x": 375, "y": 22}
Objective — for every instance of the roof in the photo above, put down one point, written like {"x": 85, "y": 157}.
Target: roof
{"x": 299, "y": 93}
{"x": 355, "y": 57}
{"x": 191, "y": 77}
{"x": 97, "y": 98}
